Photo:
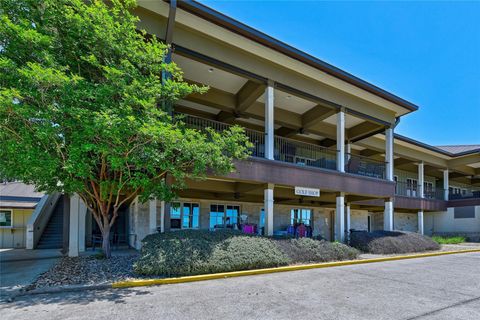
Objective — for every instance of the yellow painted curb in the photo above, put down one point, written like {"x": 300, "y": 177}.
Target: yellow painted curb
{"x": 223, "y": 275}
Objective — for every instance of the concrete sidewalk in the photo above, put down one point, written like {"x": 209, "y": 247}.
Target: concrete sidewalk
{"x": 20, "y": 267}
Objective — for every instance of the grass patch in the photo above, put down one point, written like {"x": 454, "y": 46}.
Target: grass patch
{"x": 193, "y": 252}
{"x": 448, "y": 240}
{"x": 391, "y": 242}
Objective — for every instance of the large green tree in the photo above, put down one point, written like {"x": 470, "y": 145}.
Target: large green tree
{"x": 82, "y": 108}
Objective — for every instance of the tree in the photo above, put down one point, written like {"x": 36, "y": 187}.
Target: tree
{"x": 81, "y": 96}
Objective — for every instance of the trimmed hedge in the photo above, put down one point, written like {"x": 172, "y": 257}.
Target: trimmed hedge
{"x": 191, "y": 252}
{"x": 391, "y": 242}
{"x": 305, "y": 250}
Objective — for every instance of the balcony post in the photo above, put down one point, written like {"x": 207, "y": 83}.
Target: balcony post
{"x": 152, "y": 215}
{"x": 348, "y": 150}
{"x": 420, "y": 222}
{"x": 445, "y": 184}
{"x": 269, "y": 122}
{"x": 388, "y": 215}
{"x": 162, "y": 216}
{"x": 340, "y": 218}
{"x": 347, "y": 222}
{"x": 78, "y": 211}
{"x": 389, "y": 153}
{"x": 268, "y": 209}
{"x": 421, "y": 178}
{"x": 341, "y": 141}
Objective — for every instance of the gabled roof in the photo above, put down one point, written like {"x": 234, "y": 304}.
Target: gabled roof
{"x": 460, "y": 148}
{"x": 18, "y": 195}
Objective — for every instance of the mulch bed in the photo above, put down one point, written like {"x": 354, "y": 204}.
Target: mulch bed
{"x": 87, "y": 270}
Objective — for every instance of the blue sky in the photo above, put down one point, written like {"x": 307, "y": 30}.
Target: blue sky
{"x": 425, "y": 52}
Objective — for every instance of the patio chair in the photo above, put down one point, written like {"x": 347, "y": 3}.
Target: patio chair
{"x": 301, "y": 231}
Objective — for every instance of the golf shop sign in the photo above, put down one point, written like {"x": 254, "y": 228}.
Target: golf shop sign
{"x": 307, "y": 192}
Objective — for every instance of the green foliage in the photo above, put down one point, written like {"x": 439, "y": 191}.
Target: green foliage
{"x": 391, "y": 242}
{"x": 190, "y": 252}
{"x": 82, "y": 106}
{"x": 305, "y": 250}
{"x": 448, "y": 240}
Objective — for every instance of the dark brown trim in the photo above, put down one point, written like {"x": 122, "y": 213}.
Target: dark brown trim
{"x": 269, "y": 171}
{"x": 410, "y": 203}
{"x": 463, "y": 202}
{"x": 170, "y": 22}
{"x": 235, "y": 26}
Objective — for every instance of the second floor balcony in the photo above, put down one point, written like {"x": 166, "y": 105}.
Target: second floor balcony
{"x": 464, "y": 194}
{"x": 407, "y": 190}
{"x": 298, "y": 152}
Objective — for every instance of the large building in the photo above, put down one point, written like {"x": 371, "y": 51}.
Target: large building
{"x": 325, "y": 150}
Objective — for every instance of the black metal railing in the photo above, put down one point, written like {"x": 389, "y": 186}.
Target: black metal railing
{"x": 403, "y": 189}
{"x": 464, "y": 194}
{"x": 409, "y": 190}
{"x": 296, "y": 152}
{"x": 304, "y": 154}
{"x": 435, "y": 193}
{"x": 257, "y": 138}
{"x": 364, "y": 166}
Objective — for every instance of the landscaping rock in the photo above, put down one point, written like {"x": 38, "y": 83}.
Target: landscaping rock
{"x": 87, "y": 270}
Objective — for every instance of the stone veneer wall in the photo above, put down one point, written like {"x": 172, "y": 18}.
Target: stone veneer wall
{"x": 281, "y": 215}
{"x": 138, "y": 221}
{"x": 405, "y": 221}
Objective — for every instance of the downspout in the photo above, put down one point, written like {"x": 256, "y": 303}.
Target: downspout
{"x": 397, "y": 121}
{"x": 169, "y": 41}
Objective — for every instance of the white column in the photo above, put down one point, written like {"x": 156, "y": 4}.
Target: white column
{"x": 82, "y": 215}
{"x": 152, "y": 215}
{"x": 421, "y": 192}
{"x": 348, "y": 150}
{"x": 269, "y": 123}
{"x": 73, "y": 245}
{"x": 389, "y": 153}
{"x": 162, "y": 216}
{"x": 347, "y": 221}
{"x": 341, "y": 141}
{"x": 268, "y": 208}
{"x": 388, "y": 215}
{"x": 420, "y": 222}
{"x": 340, "y": 218}
{"x": 445, "y": 183}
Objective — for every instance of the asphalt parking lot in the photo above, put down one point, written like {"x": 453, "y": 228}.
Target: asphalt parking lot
{"x": 444, "y": 287}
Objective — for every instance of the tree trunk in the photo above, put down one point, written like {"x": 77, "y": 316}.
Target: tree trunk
{"x": 106, "y": 241}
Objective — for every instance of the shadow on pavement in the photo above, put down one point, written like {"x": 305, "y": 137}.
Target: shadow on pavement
{"x": 83, "y": 297}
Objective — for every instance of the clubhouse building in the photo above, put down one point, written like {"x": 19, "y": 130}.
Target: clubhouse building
{"x": 325, "y": 153}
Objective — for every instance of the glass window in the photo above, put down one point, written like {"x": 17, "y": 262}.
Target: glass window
{"x": 217, "y": 213}
{"x": 262, "y": 218}
{"x": 412, "y": 187}
{"x": 185, "y": 215}
{"x": 6, "y": 219}
{"x": 191, "y": 216}
{"x": 301, "y": 216}
{"x": 232, "y": 215}
{"x": 224, "y": 215}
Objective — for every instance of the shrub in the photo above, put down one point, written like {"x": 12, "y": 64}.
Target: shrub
{"x": 306, "y": 250}
{"x": 448, "y": 240}
{"x": 390, "y": 242}
{"x": 190, "y": 252}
